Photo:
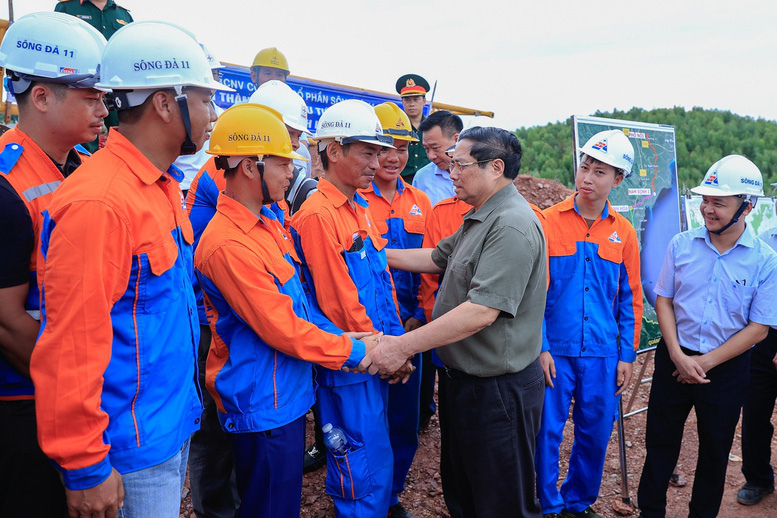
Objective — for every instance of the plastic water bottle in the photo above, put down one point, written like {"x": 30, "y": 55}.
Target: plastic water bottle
{"x": 335, "y": 439}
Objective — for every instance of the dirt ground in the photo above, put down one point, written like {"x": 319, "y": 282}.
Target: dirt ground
{"x": 423, "y": 493}
{"x": 540, "y": 191}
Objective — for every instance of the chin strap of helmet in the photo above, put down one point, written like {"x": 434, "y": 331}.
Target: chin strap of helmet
{"x": 736, "y": 217}
{"x": 265, "y": 191}
{"x": 188, "y": 147}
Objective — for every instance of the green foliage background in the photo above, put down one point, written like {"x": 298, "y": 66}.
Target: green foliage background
{"x": 703, "y": 137}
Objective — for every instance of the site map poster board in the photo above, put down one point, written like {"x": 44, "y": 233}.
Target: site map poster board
{"x": 649, "y": 199}
{"x": 761, "y": 219}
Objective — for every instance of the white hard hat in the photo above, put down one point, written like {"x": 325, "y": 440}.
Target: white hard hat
{"x": 52, "y": 47}
{"x": 150, "y": 55}
{"x": 214, "y": 63}
{"x": 349, "y": 121}
{"x": 733, "y": 175}
{"x": 611, "y": 147}
{"x": 280, "y": 97}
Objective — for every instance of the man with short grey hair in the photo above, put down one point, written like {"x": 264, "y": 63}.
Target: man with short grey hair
{"x": 487, "y": 331}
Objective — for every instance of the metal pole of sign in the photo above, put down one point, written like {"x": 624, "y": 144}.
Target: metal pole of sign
{"x": 431, "y": 101}
{"x": 625, "y": 498}
{"x": 648, "y": 360}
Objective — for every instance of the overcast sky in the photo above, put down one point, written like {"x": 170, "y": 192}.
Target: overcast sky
{"x": 529, "y": 62}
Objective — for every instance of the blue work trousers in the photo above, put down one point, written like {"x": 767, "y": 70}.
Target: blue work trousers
{"x": 403, "y": 426}
{"x": 268, "y": 469}
{"x": 591, "y": 383}
{"x": 359, "y": 482}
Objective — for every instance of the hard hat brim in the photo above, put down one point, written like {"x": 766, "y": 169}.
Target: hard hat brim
{"x": 298, "y": 127}
{"x": 605, "y": 160}
{"x": 375, "y": 141}
{"x": 174, "y": 81}
{"x": 712, "y": 191}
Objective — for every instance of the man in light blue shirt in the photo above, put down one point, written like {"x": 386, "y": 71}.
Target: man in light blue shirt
{"x": 716, "y": 296}
{"x": 440, "y": 131}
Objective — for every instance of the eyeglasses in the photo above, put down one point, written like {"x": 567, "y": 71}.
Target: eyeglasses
{"x": 461, "y": 165}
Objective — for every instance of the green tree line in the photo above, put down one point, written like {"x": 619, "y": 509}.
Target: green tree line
{"x": 703, "y": 137}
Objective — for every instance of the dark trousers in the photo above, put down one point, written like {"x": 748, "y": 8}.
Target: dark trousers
{"x": 717, "y": 406}
{"x": 29, "y": 483}
{"x": 446, "y": 470}
{"x": 757, "y": 428}
{"x": 212, "y": 479}
{"x": 268, "y": 466}
{"x": 427, "y": 408}
{"x": 491, "y": 429}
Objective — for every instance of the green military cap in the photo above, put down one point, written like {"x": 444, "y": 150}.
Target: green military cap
{"x": 412, "y": 84}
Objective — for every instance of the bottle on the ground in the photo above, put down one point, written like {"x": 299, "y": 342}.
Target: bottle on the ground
{"x": 335, "y": 439}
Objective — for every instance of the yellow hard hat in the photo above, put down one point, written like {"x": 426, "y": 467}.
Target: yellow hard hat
{"x": 271, "y": 57}
{"x": 395, "y": 122}
{"x": 251, "y": 129}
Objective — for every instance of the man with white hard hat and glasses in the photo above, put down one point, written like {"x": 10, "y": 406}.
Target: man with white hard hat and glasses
{"x": 716, "y": 294}
{"x": 115, "y": 364}
{"x": 59, "y": 107}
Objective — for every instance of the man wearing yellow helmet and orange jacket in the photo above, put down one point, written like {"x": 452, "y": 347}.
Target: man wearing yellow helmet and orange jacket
{"x": 265, "y": 328}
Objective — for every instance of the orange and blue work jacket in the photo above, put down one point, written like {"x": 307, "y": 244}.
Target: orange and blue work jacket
{"x": 402, "y": 223}
{"x": 115, "y": 365}
{"x": 594, "y": 304}
{"x": 34, "y": 177}
{"x": 201, "y": 202}
{"x": 265, "y": 329}
{"x": 342, "y": 252}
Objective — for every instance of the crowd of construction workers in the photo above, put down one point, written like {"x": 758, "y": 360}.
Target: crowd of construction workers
{"x": 178, "y": 298}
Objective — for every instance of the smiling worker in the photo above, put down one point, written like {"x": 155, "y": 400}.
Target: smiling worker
{"x": 716, "y": 294}
{"x": 338, "y": 241}
{"x": 401, "y": 212}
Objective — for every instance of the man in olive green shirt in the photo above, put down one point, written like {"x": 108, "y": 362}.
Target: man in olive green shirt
{"x": 103, "y": 15}
{"x": 487, "y": 330}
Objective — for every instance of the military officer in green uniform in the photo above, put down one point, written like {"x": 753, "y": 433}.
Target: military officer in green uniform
{"x": 413, "y": 88}
{"x": 107, "y": 17}
{"x": 103, "y": 15}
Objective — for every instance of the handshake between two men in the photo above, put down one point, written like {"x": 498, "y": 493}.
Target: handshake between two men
{"x": 384, "y": 356}
{"x": 389, "y": 356}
